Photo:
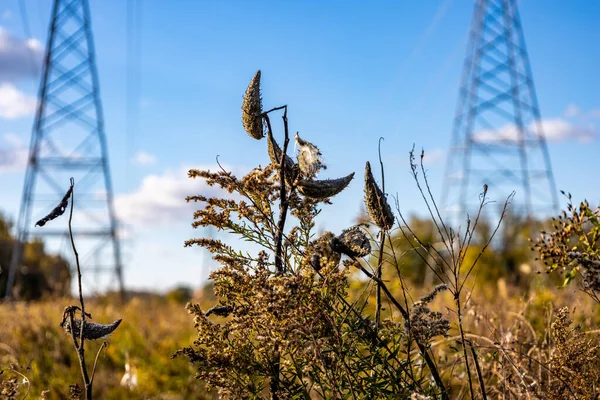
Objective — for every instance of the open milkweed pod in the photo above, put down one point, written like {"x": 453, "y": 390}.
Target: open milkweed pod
{"x": 319, "y": 254}
{"x": 377, "y": 206}
{"x": 91, "y": 331}
{"x": 323, "y": 189}
{"x": 252, "y": 109}
{"x": 309, "y": 158}
{"x": 353, "y": 242}
{"x": 275, "y": 157}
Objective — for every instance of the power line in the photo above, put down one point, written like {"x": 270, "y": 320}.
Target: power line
{"x": 134, "y": 80}
{"x": 27, "y": 31}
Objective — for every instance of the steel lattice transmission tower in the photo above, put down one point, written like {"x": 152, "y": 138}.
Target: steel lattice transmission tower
{"x": 498, "y": 138}
{"x": 68, "y": 140}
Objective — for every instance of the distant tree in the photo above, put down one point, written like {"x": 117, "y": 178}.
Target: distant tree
{"x": 40, "y": 274}
{"x": 180, "y": 294}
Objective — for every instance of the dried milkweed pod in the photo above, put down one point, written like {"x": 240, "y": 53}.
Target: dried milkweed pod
{"x": 91, "y": 331}
{"x": 319, "y": 254}
{"x": 322, "y": 189}
{"x": 309, "y": 158}
{"x": 377, "y": 206}
{"x": 275, "y": 157}
{"x": 252, "y": 109}
{"x": 221, "y": 311}
{"x": 353, "y": 242}
{"x": 58, "y": 210}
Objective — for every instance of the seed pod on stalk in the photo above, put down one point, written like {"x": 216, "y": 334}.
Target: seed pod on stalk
{"x": 322, "y": 189}
{"x": 353, "y": 242}
{"x": 252, "y": 109}
{"x": 309, "y": 158}
{"x": 291, "y": 169}
{"x": 377, "y": 206}
{"x": 91, "y": 331}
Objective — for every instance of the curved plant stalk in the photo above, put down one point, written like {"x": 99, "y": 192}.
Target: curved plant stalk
{"x": 79, "y": 329}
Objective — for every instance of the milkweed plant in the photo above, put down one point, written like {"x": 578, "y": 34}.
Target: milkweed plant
{"x": 285, "y": 325}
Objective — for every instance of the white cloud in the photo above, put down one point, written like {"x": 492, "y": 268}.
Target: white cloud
{"x": 13, "y": 154}
{"x": 160, "y": 199}
{"x": 559, "y": 130}
{"x": 143, "y": 158}
{"x": 575, "y": 112}
{"x": 572, "y": 111}
{"x": 554, "y": 130}
{"x": 14, "y": 103}
{"x": 6, "y": 14}
{"x": 433, "y": 156}
{"x": 19, "y": 58}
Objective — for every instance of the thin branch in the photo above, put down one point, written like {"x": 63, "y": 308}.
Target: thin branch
{"x": 463, "y": 342}
{"x": 436, "y": 208}
{"x": 25, "y": 379}
{"x": 264, "y": 114}
{"x": 381, "y": 245}
{"x": 479, "y": 374}
{"x": 80, "y": 348}
{"x": 432, "y": 367}
{"x": 104, "y": 345}
{"x": 283, "y": 199}
{"x": 502, "y": 215}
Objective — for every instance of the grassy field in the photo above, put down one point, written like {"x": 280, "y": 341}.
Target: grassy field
{"x": 32, "y": 341}
{"x": 33, "y": 344}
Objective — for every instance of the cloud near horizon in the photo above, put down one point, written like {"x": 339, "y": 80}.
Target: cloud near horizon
{"x": 554, "y": 130}
{"x": 159, "y": 200}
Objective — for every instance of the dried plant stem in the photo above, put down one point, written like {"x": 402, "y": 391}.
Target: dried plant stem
{"x": 479, "y": 374}
{"x": 283, "y": 210}
{"x": 381, "y": 244}
{"x": 275, "y": 376}
{"x": 24, "y": 379}
{"x": 379, "y": 274}
{"x": 283, "y": 198}
{"x": 104, "y": 345}
{"x": 464, "y": 345}
{"x": 80, "y": 348}
{"x": 430, "y": 363}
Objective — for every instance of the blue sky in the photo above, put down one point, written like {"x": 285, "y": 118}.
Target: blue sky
{"x": 350, "y": 72}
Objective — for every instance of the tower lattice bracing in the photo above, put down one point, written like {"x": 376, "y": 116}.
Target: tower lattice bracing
{"x": 68, "y": 140}
{"x": 498, "y": 137}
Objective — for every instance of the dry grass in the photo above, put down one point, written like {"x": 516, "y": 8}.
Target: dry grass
{"x": 151, "y": 331}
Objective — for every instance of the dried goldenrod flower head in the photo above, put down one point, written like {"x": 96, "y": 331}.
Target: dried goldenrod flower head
{"x": 319, "y": 254}
{"x": 377, "y": 206}
{"x": 252, "y": 109}
{"x": 275, "y": 157}
{"x": 91, "y": 331}
{"x": 437, "y": 289}
{"x": 425, "y": 324}
{"x": 319, "y": 190}
{"x": 309, "y": 158}
{"x": 353, "y": 242}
